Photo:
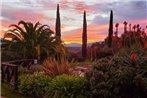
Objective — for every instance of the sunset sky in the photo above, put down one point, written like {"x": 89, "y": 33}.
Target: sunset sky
{"x": 71, "y": 14}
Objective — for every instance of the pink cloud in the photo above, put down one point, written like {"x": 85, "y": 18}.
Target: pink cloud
{"x": 13, "y": 16}
{"x": 81, "y": 6}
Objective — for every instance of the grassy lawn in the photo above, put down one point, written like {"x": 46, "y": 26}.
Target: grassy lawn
{"x": 8, "y": 92}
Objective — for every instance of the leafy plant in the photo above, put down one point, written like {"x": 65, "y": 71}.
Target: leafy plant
{"x": 114, "y": 77}
{"x": 53, "y": 68}
{"x": 65, "y": 86}
{"x": 36, "y": 84}
{"x": 31, "y": 70}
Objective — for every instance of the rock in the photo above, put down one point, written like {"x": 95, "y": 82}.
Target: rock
{"x": 80, "y": 71}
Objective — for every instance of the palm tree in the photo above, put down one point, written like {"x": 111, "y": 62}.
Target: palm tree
{"x": 31, "y": 41}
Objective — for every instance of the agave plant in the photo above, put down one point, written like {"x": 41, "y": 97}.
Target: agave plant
{"x": 31, "y": 40}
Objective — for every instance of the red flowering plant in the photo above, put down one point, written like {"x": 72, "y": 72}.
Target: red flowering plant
{"x": 119, "y": 44}
{"x": 133, "y": 57}
{"x": 139, "y": 58}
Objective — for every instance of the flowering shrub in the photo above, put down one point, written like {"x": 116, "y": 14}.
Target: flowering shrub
{"x": 133, "y": 57}
{"x": 115, "y": 77}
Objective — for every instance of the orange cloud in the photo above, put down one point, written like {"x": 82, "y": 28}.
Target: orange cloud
{"x": 1, "y": 34}
{"x": 3, "y": 28}
{"x": 95, "y": 32}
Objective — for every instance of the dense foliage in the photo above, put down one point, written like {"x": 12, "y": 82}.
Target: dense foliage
{"x": 117, "y": 77}
{"x": 32, "y": 69}
{"x": 35, "y": 84}
{"x": 65, "y": 86}
{"x": 62, "y": 86}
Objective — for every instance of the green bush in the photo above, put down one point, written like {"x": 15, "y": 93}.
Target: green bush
{"x": 34, "y": 84}
{"x": 114, "y": 77}
{"x": 65, "y": 86}
{"x": 31, "y": 70}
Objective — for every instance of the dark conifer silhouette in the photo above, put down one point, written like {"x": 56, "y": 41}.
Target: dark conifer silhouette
{"x": 116, "y": 25}
{"x": 84, "y": 37}
{"x": 110, "y": 30}
{"x": 58, "y": 24}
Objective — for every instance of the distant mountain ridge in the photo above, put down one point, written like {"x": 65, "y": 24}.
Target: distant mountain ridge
{"x": 73, "y": 45}
{"x": 79, "y": 45}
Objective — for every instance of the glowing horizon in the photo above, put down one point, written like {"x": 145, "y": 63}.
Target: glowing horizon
{"x": 71, "y": 13}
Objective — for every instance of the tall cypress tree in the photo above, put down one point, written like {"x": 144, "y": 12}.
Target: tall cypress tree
{"x": 110, "y": 35}
{"x": 58, "y": 24}
{"x": 84, "y": 37}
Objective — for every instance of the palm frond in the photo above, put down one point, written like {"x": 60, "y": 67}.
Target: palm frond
{"x": 17, "y": 27}
{"x": 36, "y": 25}
{"x": 25, "y": 24}
{"x": 41, "y": 28}
{"x": 13, "y": 36}
{"x": 17, "y": 32}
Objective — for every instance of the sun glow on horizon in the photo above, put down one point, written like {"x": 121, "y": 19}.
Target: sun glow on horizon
{"x": 71, "y": 16}
{"x": 67, "y": 42}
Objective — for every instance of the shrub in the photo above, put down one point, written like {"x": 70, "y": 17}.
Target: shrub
{"x": 31, "y": 70}
{"x": 135, "y": 54}
{"x": 35, "y": 84}
{"x": 54, "y": 68}
{"x": 97, "y": 51}
{"x": 114, "y": 77}
{"x": 65, "y": 86}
